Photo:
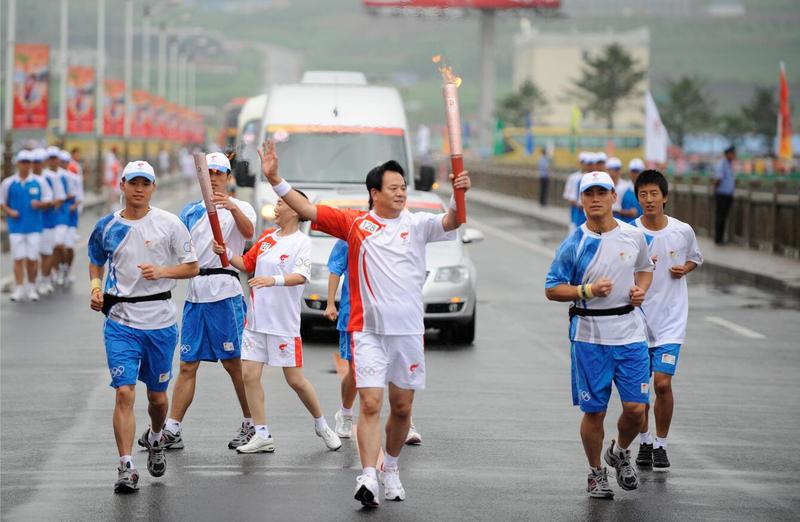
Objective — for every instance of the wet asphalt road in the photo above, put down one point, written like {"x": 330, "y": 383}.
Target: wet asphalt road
{"x": 500, "y": 435}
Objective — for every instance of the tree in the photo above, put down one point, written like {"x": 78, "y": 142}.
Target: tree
{"x": 733, "y": 126}
{"x": 688, "y": 108}
{"x": 607, "y": 80}
{"x": 761, "y": 114}
{"x": 514, "y": 107}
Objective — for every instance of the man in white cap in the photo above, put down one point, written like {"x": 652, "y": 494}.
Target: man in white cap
{"x": 600, "y": 159}
{"x": 146, "y": 249}
{"x": 61, "y": 212}
{"x": 604, "y": 270}
{"x": 625, "y": 207}
{"x": 44, "y": 284}
{"x": 47, "y": 245}
{"x": 570, "y": 194}
{"x": 73, "y": 203}
{"x": 635, "y": 167}
{"x": 22, "y": 198}
{"x": 213, "y": 316}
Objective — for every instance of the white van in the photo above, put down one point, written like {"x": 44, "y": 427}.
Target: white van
{"x": 330, "y": 130}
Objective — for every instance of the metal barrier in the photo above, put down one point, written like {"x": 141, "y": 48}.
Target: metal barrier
{"x": 765, "y": 219}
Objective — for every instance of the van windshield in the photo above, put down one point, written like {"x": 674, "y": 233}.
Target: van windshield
{"x": 336, "y": 157}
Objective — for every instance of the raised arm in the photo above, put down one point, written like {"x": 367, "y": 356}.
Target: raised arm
{"x": 269, "y": 166}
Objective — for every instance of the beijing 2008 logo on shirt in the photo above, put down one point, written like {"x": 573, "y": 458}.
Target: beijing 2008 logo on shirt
{"x": 625, "y": 256}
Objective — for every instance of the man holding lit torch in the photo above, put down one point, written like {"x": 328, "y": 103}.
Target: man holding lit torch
{"x": 386, "y": 271}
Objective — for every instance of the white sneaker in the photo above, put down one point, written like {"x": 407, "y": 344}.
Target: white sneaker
{"x": 32, "y": 294}
{"x": 257, "y": 445}
{"x": 18, "y": 294}
{"x": 59, "y": 278}
{"x": 44, "y": 287}
{"x": 344, "y": 425}
{"x": 331, "y": 439}
{"x": 413, "y": 437}
{"x": 367, "y": 491}
{"x": 392, "y": 487}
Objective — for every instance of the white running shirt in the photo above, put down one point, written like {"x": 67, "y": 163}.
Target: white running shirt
{"x": 159, "y": 238}
{"x": 276, "y": 310}
{"x": 622, "y": 186}
{"x": 586, "y": 257}
{"x": 386, "y": 266}
{"x": 571, "y": 188}
{"x": 211, "y": 288}
{"x": 666, "y": 307}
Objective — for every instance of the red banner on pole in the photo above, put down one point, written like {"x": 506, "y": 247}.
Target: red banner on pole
{"x": 141, "y": 126}
{"x": 114, "y": 108}
{"x": 80, "y": 99}
{"x": 31, "y": 82}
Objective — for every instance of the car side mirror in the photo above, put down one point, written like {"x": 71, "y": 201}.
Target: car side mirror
{"x": 472, "y": 235}
{"x": 241, "y": 172}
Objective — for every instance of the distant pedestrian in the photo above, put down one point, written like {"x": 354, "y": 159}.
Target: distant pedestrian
{"x": 544, "y": 177}
{"x": 724, "y": 187}
{"x": 570, "y": 194}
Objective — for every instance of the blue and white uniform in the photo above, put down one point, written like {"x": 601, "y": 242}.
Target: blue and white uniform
{"x": 140, "y": 337}
{"x": 605, "y": 348}
{"x": 214, "y": 313}
{"x": 25, "y": 229}
{"x": 51, "y": 213}
{"x": 62, "y": 218}
{"x": 337, "y": 264}
{"x": 666, "y": 307}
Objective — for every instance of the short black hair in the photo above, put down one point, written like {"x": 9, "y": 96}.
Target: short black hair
{"x": 304, "y": 195}
{"x": 651, "y": 177}
{"x": 375, "y": 176}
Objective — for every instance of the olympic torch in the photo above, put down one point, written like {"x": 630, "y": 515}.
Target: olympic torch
{"x": 453, "y": 119}
{"x": 201, "y": 167}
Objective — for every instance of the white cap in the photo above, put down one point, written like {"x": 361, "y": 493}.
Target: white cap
{"x": 139, "y": 169}
{"x": 600, "y": 157}
{"x": 583, "y": 157}
{"x": 614, "y": 163}
{"x": 39, "y": 154}
{"x": 636, "y": 164}
{"x": 64, "y": 156}
{"x": 596, "y": 179}
{"x": 218, "y": 161}
{"x": 24, "y": 155}
{"x": 53, "y": 151}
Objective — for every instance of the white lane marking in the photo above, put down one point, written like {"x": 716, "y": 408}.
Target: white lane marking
{"x": 741, "y": 330}
{"x": 511, "y": 238}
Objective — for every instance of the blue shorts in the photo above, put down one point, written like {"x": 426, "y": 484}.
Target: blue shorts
{"x": 664, "y": 358}
{"x": 212, "y": 331}
{"x": 596, "y": 366}
{"x": 146, "y": 354}
{"x": 345, "y": 345}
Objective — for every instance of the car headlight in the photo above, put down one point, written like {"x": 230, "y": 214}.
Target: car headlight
{"x": 319, "y": 272}
{"x": 268, "y": 212}
{"x": 451, "y": 274}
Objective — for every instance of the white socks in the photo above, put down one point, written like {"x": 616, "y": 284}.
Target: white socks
{"x": 124, "y": 461}
{"x": 320, "y": 423}
{"x": 371, "y": 472}
{"x": 645, "y": 438}
{"x": 248, "y": 422}
{"x": 619, "y": 450}
{"x": 262, "y": 431}
{"x": 660, "y": 443}
{"x": 347, "y": 411}
{"x": 389, "y": 462}
{"x": 153, "y": 437}
{"x": 173, "y": 426}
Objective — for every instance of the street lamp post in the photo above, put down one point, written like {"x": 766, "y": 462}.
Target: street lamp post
{"x": 100, "y": 76}
{"x": 128, "y": 75}
{"x": 9, "y": 100}
{"x": 62, "y": 104}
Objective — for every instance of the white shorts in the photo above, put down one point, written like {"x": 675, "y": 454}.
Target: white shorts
{"x": 382, "y": 359}
{"x": 24, "y": 246}
{"x": 60, "y": 234}
{"x": 70, "y": 237}
{"x": 272, "y": 350}
{"x": 46, "y": 242}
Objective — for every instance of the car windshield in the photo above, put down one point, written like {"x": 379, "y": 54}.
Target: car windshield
{"x": 335, "y": 157}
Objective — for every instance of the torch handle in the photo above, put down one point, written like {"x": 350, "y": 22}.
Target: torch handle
{"x": 457, "y": 164}
{"x": 216, "y": 230}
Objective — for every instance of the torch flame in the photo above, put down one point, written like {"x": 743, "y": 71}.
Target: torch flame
{"x": 446, "y": 71}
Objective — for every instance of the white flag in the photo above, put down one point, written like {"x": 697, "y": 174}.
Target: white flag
{"x": 656, "y": 138}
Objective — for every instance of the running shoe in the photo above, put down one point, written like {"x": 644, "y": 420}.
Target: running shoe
{"x": 331, "y": 439}
{"x": 344, "y": 425}
{"x": 156, "y": 458}
{"x": 644, "y": 459}
{"x": 413, "y": 438}
{"x": 597, "y": 486}
{"x": 243, "y": 436}
{"x": 18, "y": 294}
{"x": 168, "y": 439}
{"x": 660, "y": 460}
{"x": 257, "y": 445}
{"x": 33, "y": 295}
{"x": 367, "y": 491}
{"x": 392, "y": 487}
{"x": 626, "y": 475}
{"x": 127, "y": 480}
{"x": 44, "y": 287}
